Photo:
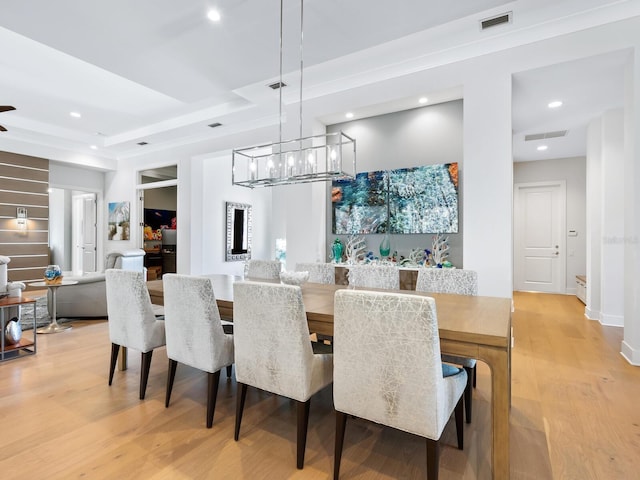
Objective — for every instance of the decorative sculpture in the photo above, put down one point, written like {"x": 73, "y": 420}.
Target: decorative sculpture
{"x": 440, "y": 249}
{"x": 356, "y": 249}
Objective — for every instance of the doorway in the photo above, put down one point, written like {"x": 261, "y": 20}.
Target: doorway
{"x": 73, "y": 219}
{"x": 539, "y": 241}
{"x": 158, "y": 195}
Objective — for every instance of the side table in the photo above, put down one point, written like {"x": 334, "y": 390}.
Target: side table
{"x": 54, "y": 327}
{"x": 25, "y": 345}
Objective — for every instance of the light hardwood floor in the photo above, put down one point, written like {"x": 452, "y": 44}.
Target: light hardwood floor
{"x": 574, "y": 415}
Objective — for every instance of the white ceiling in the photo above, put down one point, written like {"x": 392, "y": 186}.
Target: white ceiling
{"x": 159, "y": 71}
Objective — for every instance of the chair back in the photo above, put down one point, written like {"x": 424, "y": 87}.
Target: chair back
{"x": 192, "y": 321}
{"x": 374, "y": 276}
{"x": 318, "y": 272}
{"x": 387, "y": 365}
{"x": 267, "y": 269}
{"x": 132, "y": 322}
{"x": 447, "y": 280}
{"x": 271, "y": 336}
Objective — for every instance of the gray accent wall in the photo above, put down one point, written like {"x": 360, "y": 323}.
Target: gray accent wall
{"x": 422, "y": 136}
{"x": 574, "y": 172}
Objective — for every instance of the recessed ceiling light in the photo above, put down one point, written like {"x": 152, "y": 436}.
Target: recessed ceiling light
{"x": 93, "y": 147}
{"x": 213, "y": 15}
{"x": 555, "y": 104}
{"x": 423, "y": 100}
{"x": 75, "y": 114}
{"x": 349, "y": 115}
{"x": 542, "y": 148}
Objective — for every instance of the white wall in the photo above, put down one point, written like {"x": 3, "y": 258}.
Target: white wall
{"x": 605, "y": 225}
{"x": 573, "y": 171}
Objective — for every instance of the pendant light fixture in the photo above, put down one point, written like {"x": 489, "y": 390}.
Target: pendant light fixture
{"x": 305, "y": 159}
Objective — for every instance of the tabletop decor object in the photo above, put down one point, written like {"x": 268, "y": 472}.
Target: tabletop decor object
{"x": 53, "y": 275}
{"x": 13, "y": 331}
{"x": 356, "y": 249}
{"x": 336, "y": 250}
{"x": 440, "y": 249}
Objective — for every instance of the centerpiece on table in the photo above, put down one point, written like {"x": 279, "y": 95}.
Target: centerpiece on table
{"x": 53, "y": 275}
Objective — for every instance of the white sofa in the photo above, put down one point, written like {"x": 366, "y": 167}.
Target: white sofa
{"x": 88, "y": 298}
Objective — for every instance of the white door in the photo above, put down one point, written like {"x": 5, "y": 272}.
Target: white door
{"x": 539, "y": 225}
{"x": 84, "y": 233}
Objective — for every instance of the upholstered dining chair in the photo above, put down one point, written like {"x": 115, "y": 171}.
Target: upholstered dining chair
{"x": 461, "y": 282}
{"x": 194, "y": 333}
{"x": 273, "y": 351}
{"x": 266, "y": 269}
{"x": 374, "y": 276}
{"x": 400, "y": 383}
{"x": 132, "y": 322}
{"x": 318, "y": 272}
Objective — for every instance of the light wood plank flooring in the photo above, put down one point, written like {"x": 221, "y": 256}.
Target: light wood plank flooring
{"x": 574, "y": 415}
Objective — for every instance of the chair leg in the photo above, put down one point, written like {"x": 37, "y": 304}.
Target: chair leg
{"x": 475, "y": 374}
{"x": 114, "y": 359}
{"x": 459, "y": 424}
{"x": 341, "y": 425}
{"x": 212, "y": 395}
{"x": 228, "y": 371}
{"x": 171, "y": 375}
{"x": 433, "y": 459}
{"x": 467, "y": 392}
{"x": 239, "y": 408}
{"x": 303, "y": 424}
{"x": 144, "y": 372}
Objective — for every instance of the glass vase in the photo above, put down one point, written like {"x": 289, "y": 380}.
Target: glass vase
{"x": 385, "y": 246}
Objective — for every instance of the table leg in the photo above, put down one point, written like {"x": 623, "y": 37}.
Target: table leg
{"x": 499, "y": 362}
{"x": 122, "y": 358}
{"x": 54, "y": 327}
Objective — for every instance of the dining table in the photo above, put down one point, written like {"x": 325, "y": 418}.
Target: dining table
{"x": 470, "y": 326}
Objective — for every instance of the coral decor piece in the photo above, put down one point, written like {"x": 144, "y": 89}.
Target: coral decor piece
{"x": 356, "y": 249}
{"x": 440, "y": 249}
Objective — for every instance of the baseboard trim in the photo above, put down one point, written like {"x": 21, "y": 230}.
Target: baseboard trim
{"x": 612, "y": 320}
{"x": 591, "y": 314}
{"x": 630, "y": 354}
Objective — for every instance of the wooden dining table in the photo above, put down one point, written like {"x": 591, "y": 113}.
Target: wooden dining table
{"x": 470, "y": 326}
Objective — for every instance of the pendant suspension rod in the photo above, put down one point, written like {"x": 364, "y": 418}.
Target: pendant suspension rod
{"x": 280, "y": 89}
{"x": 301, "y": 61}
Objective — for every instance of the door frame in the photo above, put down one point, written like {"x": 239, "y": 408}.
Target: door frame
{"x": 100, "y": 217}
{"x": 517, "y": 233}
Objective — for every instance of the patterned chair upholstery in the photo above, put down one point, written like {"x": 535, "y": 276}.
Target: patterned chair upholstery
{"x": 273, "y": 351}
{"x": 461, "y": 282}
{"x": 132, "y": 323}
{"x": 194, "y": 332}
{"x": 401, "y": 382}
{"x": 267, "y": 269}
{"x": 374, "y": 276}
{"x": 318, "y": 272}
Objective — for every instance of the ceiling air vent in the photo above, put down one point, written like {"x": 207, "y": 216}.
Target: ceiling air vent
{"x": 277, "y": 85}
{"x": 143, "y": 143}
{"x": 542, "y": 136}
{"x": 495, "y": 21}
{"x": 214, "y": 125}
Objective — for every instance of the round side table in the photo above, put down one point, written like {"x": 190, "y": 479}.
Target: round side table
{"x": 54, "y": 326}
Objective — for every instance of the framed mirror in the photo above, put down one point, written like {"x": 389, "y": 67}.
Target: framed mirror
{"x": 238, "y": 232}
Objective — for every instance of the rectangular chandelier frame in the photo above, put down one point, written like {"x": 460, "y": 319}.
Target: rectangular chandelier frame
{"x": 310, "y": 159}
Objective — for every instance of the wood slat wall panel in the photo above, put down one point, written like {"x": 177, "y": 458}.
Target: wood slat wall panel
{"x": 23, "y": 199}
{"x": 19, "y": 237}
{"x": 28, "y": 275}
{"x": 25, "y": 249}
{"x": 28, "y": 262}
{"x": 11, "y": 211}
{"x": 32, "y": 225}
{"x": 12, "y": 171}
{"x": 25, "y": 161}
{"x": 24, "y": 181}
{"x": 21, "y": 185}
